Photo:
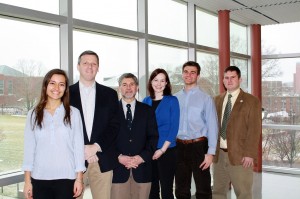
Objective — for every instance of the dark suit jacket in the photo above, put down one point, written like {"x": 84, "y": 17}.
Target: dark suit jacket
{"x": 243, "y": 127}
{"x": 141, "y": 140}
{"x": 105, "y": 125}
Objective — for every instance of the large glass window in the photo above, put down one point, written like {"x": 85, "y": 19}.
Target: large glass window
{"x": 209, "y": 76}
{"x": 168, "y": 18}
{"x": 10, "y": 87}
{"x": 281, "y": 103}
{"x": 29, "y": 50}
{"x": 238, "y": 38}
{"x": 122, "y": 14}
{"x": 1, "y": 87}
{"x": 286, "y": 40}
{"x": 45, "y": 6}
{"x": 35, "y": 47}
{"x": 116, "y": 55}
{"x": 281, "y": 98}
{"x": 169, "y": 58}
{"x": 281, "y": 90}
{"x": 207, "y": 29}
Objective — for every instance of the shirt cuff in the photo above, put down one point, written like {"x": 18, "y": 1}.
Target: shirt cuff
{"x": 99, "y": 148}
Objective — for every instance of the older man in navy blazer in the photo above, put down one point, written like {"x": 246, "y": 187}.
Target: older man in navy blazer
{"x": 98, "y": 106}
{"x": 136, "y": 143}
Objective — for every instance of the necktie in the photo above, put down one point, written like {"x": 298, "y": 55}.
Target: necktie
{"x": 129, "y": 117}
{"x": 226, "y": 117}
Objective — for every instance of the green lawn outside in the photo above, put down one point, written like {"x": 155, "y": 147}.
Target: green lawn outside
{"x": 11, "y": 142}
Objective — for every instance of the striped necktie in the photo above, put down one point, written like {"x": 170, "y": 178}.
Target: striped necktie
{"x": 226, "y": 117}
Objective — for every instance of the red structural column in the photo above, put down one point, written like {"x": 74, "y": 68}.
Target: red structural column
{"x": 224, "y": 45}
{"x": 256, "y": 78}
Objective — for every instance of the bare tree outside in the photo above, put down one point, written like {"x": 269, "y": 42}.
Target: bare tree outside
{"x": 270, "y": 67}
{"x": 282, "y": 145}
{"x": 266, "y": 144}
{"x": 29, "y": 85}
{"x": 209, "y": 80}
{"x": 294, "y": 141}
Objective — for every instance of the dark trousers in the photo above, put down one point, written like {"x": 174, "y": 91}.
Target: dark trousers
{"x": 163, "y": 172}
{"x": 53, "y": 189}
{"x": 189, "y": 158}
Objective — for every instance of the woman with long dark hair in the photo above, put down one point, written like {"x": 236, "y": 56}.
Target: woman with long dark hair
{"x": 166, "y": 109}
{"x": 53, "y": 143}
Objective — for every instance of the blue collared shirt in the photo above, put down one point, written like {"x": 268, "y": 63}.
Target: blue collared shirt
{"x": 55, "y": 151}
{"x": 198, "y": 117}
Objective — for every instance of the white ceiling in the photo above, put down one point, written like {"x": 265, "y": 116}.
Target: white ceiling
{"x": 247, "y": 12}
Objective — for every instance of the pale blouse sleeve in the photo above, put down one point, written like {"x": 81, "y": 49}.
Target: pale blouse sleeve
{"x": 78, "y": 140}
{"x": 29, "y": 143}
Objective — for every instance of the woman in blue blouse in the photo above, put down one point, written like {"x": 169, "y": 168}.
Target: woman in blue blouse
{"x": 53, "y": 143}
{"x": 166, "y": 109}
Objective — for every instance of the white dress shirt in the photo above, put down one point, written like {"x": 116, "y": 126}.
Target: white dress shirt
{"x": 88, "y": 97}
{"x": 132, "y": 108}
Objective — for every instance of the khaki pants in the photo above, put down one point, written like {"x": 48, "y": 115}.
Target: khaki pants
{"x": 224, "y": 173}
{"x": 130, "y": 190}
{"x": 100, "y": 183}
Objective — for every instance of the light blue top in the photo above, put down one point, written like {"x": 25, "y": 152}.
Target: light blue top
{"x": 167, "y": 118}
{"x": 55, "y": 151}
{"x": 198, "y": 117}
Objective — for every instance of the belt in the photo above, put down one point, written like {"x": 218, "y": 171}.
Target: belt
{"x": 225, "y": 150}
{"x": 191, "y": 141}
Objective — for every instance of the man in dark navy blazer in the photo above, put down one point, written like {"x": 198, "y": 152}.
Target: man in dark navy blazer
{"x": 136, "y": 143}
{"x": 99, "y": 107}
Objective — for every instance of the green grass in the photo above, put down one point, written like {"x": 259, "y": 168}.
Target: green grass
{"x": 11, "y": 149}
{"x": 11, "y": 142}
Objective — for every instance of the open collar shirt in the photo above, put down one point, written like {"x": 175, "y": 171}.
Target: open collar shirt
{"x": 88, "y": 97}
{"x": 198, "y": 117}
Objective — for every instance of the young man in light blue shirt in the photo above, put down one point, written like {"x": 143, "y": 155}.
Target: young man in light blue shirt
{"x": 197, "y": 136}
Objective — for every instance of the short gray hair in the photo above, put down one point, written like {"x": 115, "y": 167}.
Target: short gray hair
{"x": 128, "y": 75}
